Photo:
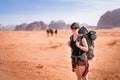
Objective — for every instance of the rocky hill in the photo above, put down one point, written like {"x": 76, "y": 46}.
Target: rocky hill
{"x": 39, "y": 25}
{"x": 57, "y": 25}
{"x": 110, "y": 19}
{"x": 35, "y": 26}
{"x": 7, "y": 27}
{"x": 21, "y": 27}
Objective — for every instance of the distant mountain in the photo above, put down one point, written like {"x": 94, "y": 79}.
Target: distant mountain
{"x": 68, "y": 26}
{"x": 35, "y": 26}
{"x": 7, "y": 27}
{"x": 110, "y": 19}
{"x": 57, "y": 25}
{"x": 21, "y": 27}
{"x": 38, "y": 25}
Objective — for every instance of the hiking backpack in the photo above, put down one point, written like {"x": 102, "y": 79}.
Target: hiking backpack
{"x": 90, "y": 37}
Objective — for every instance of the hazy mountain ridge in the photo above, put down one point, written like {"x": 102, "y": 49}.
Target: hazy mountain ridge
{"x": 57, "y": 25}
{"x": 40, "y": 25}
{"x": 110, "y": 19}
{"x": 35, "y": 26}
{"x": 7, "y": 27}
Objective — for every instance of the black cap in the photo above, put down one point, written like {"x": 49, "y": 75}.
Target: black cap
{"x": 74, "y": 25}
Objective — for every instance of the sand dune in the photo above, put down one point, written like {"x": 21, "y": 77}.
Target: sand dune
{"x": 32, "y": 55}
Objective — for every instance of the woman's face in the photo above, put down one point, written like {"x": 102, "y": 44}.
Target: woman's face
{"x": 74, "y": 30}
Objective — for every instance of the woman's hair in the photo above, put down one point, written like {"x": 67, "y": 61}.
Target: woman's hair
{"x": 74, "y": 25}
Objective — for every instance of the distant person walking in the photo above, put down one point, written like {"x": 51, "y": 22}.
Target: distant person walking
{"x": 56, "y": 31}
{"x": 48, "y": 32}
{"x": 51, "y": 31}
{"x": 78, "y": 46}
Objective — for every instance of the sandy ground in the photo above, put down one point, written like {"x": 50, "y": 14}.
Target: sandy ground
{"x": 34, "y": 56}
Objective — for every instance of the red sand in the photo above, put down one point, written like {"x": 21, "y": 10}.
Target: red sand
{"x": 34, "y": 56}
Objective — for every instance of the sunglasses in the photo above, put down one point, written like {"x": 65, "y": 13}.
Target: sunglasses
{"x": 74, "y": 28}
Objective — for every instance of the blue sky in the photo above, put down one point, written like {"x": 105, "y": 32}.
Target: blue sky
{"x": 83, "y": 11}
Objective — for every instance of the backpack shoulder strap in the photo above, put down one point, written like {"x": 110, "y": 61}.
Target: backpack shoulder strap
{"x": 71, "y": 37}
{"x": 79, "y": 38}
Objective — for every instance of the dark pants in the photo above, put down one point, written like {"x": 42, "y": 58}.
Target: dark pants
{"x": 80, "y": 62}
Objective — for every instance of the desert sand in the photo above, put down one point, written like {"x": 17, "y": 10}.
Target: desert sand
{"x": 31, "y": 55}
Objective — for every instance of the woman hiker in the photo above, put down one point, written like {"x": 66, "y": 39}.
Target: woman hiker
{"x": 78, "y": 47}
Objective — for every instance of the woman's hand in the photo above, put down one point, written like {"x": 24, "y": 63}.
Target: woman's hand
{"x": 77, "y": 44}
